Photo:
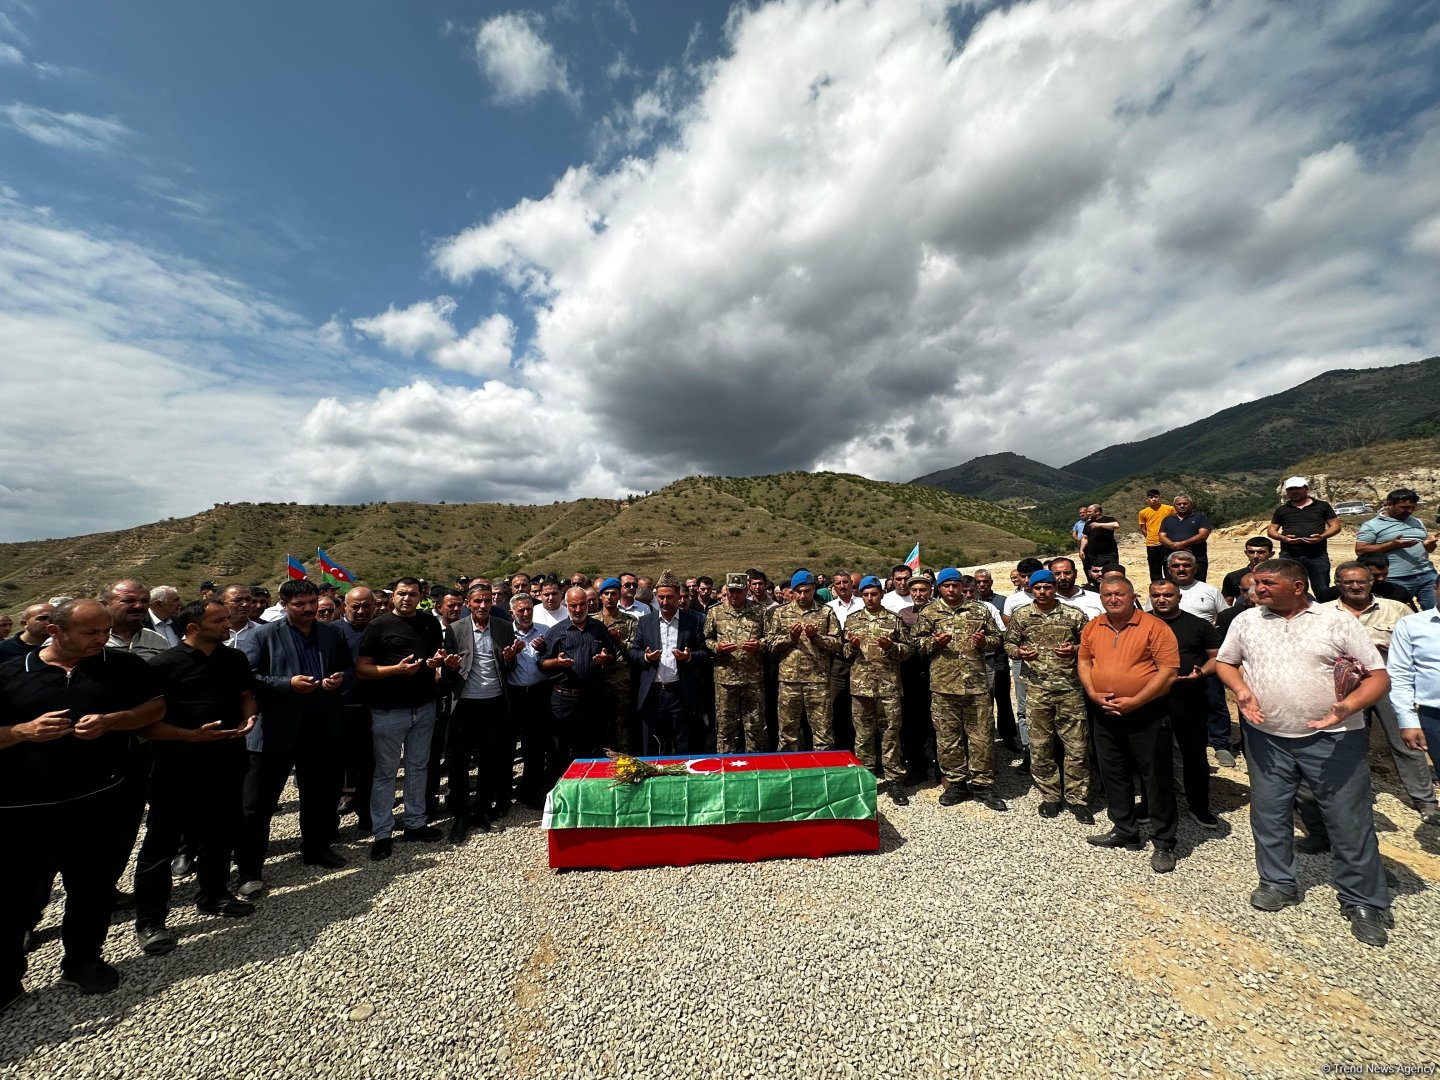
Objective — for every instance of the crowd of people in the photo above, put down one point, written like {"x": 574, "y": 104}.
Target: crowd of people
{"x": 137, "y": 708}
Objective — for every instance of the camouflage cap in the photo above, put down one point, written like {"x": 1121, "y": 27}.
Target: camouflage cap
{"x": 736, "y": 581}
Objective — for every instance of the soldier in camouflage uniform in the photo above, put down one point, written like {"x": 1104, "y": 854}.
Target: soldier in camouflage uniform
{"x": 876, "y": 641}
{"x": 1045, "y": 637}
{"x": 803, "y": 637}
{"x": 955, "y": 634}
{"x": 617, "y": 689}
{"x": 735, "y": 632}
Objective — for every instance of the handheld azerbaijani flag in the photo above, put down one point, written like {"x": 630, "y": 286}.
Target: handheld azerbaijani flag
{"x": 726, "y": 808}
{"x": 913, "y": 559}
{"x": 332, "y": 573}
{"x": 295, "y": 568}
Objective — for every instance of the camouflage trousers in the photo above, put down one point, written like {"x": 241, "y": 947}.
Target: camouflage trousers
{"x": 882, "y": 712}
{"x": 1058, "y": 716}
{"x": 805, "y": 701}
{"x": 964, "y": 737}
{"x": 740, "y": 709}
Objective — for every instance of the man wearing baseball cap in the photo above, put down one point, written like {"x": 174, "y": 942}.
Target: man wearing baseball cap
{"x": 1303, "y": 526}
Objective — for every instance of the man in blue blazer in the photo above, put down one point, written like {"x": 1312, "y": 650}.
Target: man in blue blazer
{"x": 669, "y": 653}
{"x": 302, "y": 668}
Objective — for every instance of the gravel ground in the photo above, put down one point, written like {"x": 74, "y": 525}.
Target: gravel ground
{"x": 972, "y": 941}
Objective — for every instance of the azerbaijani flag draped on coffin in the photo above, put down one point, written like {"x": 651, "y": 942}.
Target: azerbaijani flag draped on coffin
{"x": 737, "y": 807}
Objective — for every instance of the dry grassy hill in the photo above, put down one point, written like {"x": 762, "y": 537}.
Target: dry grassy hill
{"x": 699, "y": 524}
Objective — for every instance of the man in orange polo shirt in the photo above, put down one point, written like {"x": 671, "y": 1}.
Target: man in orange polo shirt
{"x": 1128, "y": 661}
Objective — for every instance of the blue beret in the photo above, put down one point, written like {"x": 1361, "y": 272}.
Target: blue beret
{"x": 948, "y": 574}
{"x": 1041, "y": 575}
{"x": 609, "y": 583}
{"x": 870, "y": 581}
{"x": 802, "y": 577}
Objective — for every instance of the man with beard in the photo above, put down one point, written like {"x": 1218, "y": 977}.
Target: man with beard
{"x": 529, "y": 691}
{"x": 402, "y": 657}
{"x": 576, "y": 654}
{"x": 302, "y": 668}
{"x": 668, "y": 653}
{"x": 480, "y": 725}
{"x": 34, "y": 621}
{"x": 917, "y": 734}
{"x": 619, "y": 705}
{"x": 199, "y": 772}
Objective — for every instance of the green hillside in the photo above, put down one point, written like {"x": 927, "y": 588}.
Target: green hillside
{"x": 1332, "y": 412}
{"x": 1008, "y": 479}
{"x": 700, "y": 524}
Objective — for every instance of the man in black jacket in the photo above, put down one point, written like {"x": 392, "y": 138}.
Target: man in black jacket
{"x": 669, "y": 652}
{"x": 302, "y": 668}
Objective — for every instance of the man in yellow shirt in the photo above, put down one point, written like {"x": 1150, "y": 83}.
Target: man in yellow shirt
{"x": 1151, "y": 515}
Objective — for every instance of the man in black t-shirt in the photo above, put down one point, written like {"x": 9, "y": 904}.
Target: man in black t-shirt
{"x": 1099, "y": 544}
{"x": 1257, "y": 550}
{"x": 402, "y": 655}
{"x": 65, "y": 714}
{"x": 1189, "y": 707}
{"x": 1303, "y": 526}
{"x": 200, "y": 763}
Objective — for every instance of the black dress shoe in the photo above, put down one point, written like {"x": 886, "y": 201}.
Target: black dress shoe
{"x": 329, "y": 857}
{"x": 95, "y": 977}
{"x": 1312, "y": 845}
{"x": 181, "y": 865}
{"x": 1366, "y": 923}
{"x": 123, "y": 901}
{"x": 987, "y": 797}
{"x": 1083, "y": 815}
{"x": 1271, "y": 898}
{"x": 459, "y": 831}
{"x": 479, "y": 820}
{"x": 896, "y": 790}
{"x": 154, "y": 940}
{"x": 954, "y": 795}
{"x": 1049, "y": 809}
{"x": 1113, "y": 839}
{"x": 1162, "y": 860}
{"x": 381, "y": 848}
{"x": 224, "y": 904}
{"x": 425, "y": 834}
{"x": 1024, "y": 766}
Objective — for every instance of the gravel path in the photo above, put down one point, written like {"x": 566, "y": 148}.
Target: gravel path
{"x": 973, "y": 941}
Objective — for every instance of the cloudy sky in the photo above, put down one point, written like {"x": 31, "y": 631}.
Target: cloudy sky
{"x": 350, "y": 250}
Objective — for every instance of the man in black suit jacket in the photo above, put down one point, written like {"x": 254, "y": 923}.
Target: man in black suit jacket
{"x": 302, "y": 669}
{"x": 669, "y": 653}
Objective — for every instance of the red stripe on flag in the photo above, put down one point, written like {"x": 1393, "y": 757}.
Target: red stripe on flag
{"x": 685, "y": 845}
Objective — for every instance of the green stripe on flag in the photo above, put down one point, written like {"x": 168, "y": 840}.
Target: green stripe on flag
{"x": 735, "y": 798}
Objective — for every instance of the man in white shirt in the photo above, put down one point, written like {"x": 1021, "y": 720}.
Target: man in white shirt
{"x": 551, "y": 610}
{"x": 236, "y": 599}
{"x": 479, "y": 726}
{"x": 1067, "y": 592}
{"x": 845, "y": 601}
{"x": 629, "y": 605}
{"x": 1280, "y": 659}
{"x": 898, "y": 598}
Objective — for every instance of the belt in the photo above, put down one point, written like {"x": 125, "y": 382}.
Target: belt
{"x": 671, "y": 687}
{"x": 565, "y": 691}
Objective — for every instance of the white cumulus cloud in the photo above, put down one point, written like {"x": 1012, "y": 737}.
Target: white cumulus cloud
{"x": 868, "y": 246}
{"x": 520, "y": 64}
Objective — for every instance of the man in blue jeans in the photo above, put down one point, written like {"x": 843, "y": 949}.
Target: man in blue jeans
{"x": 403, "y": 658}
{"x": 1279, "y": 659}
{"x": 1414, "y": 663}
{"x": 1400, "y": 536}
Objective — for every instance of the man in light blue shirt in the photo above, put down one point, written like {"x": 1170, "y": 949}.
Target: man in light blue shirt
{"x": 1400, "y": 536}
{"x": 1414, "y": 666}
